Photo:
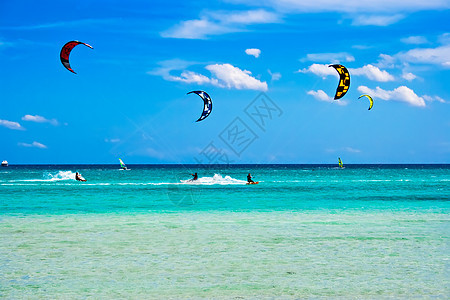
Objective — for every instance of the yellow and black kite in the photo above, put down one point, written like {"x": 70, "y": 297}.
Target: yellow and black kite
{"x": 344, "y": 82}
{"x": 370, "y": 99}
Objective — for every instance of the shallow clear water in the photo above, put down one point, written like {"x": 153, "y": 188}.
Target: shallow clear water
{"x": 304, "y": 231}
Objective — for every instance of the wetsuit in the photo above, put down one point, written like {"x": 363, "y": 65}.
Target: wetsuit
{"x": 195, "y": 176}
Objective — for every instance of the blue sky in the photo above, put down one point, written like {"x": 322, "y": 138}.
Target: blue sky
{"x": 264, "y": 64}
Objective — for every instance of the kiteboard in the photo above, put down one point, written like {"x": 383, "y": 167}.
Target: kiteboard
{"x": 255, "y": 182}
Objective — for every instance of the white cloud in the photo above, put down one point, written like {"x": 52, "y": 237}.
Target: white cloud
{"x": 197, "y": 29}
{"x": 320, "y": 70}
{"x": 233, "y": 77}
{"x": 350, "y": 6}
{"x": 223, "y": 75}
{"x": 275, "y": 76}
{"x": 415, "y": 40}
{"x": 217, "y": 23}
{"x": 434, "y": 98}
{"x": 11, "y": 125}
{"x": 33, "y": 145}
{"x": 386, "y": 61}
{"x": 329, "y": 57}
{"x": 259, "y": 16}
{"x": 373, "y": 73}
{"x": 192, "y": 77}
{"x": 402, "y": 93}
{"x": 438, "y": 56}
{"x": 408, "y": 76}
{"x": 322, "y": 96}
{"x": 370, "y": 71}
{"x": 253, "y": 51}
{"x": 39, "y": 119}
{"x": 374, "y": 20}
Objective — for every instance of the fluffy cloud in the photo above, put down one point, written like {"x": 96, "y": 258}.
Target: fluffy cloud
{"x": 383, "y": 20}
{"x": 223, "y": 75}
{"x": 320, "y": 70}
{"x": 438, "y": 56}
{"x": 386, "y": 61}
{"x": 33, "y": 145}
{"x": 253, "y": 51}
{"x": 402, "y": 93}
{"x": 373, "y": 73}
{"x": 415, "y": 40}
{"x": 233, "y": 77}
{"x": 192, "y": 77}
{"x": 408, "y": 76}
{"x": 370, "y": 71}
{"x": 219, "y": 23}
{"x": 329, "y": 57}
{"x": 39, "y": 119}
{"x": 11, "y": 125}
{"x": 322, "y": 96}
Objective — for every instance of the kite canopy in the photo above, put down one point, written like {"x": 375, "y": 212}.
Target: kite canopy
{"x": 65, "y": 53}
{"x": 344, "y": 81}
{"x": 370, "y": 99}
{"x": 207, "y": 104}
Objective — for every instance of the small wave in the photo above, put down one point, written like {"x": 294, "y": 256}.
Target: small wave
{"x": 216, "y": 179}
{"x": 49, "y": 177}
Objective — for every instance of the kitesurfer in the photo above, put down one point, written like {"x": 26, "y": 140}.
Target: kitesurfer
{"x": 78, "y": 177}
{"x": 249, "y": 178}
{"x": 195, "y": 176}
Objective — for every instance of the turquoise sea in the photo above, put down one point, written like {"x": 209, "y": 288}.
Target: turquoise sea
{"x": 306, "y": 231}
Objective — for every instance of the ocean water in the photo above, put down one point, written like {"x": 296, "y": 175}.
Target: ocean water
{"x": 305, "y": 231}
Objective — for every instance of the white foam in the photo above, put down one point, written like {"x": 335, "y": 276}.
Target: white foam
{"x": 216, "y": 179}
{"x": 49, "y": 177}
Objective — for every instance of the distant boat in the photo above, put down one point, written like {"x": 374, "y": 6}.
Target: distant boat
{"x": 341, "y": 165}
{"x": 4, "y": 163}
{"x": 122, "y": 165}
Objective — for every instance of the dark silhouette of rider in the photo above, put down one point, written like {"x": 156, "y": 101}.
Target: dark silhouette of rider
{"x": 249, "y": 178}
{"x": 195, "y": 176}
{"x": 78, "y": 177}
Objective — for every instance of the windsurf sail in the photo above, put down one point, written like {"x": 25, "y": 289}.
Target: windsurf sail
{"x": 122, "y": 165}
{"x": 341, "y": 165}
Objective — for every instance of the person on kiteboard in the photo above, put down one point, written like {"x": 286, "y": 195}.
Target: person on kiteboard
{"x": 78, "y": 177}
{"x": 249, "y": 178}
{"x": 195, "y": 176}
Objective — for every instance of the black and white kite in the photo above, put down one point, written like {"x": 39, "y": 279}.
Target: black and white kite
{"x": 207, "y": 107}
